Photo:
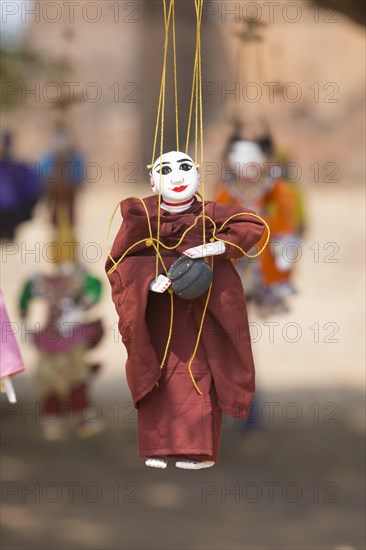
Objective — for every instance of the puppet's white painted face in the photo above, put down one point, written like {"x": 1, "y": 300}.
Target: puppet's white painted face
{"x": 248, "y": 163}
{"x": 247, "y": 160}
{"x": 179, "y": 177}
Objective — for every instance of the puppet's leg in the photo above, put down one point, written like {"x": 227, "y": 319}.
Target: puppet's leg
{"x": 53, "y": 427}
{"x": 79, "y": 403}
{"x": 78, "y": 372}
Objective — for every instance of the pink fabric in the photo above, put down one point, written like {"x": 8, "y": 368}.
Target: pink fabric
{"x": 51, "y": 340}
{"x": 10, "y": 359}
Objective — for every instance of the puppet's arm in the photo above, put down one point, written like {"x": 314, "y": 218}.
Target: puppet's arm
{"x": 161, "y": 284}
{"x": 26, "y": 297}
{"x": 204, "y": 250}
{"x": 7, "y": 387}
{"x": 240, "y": 229}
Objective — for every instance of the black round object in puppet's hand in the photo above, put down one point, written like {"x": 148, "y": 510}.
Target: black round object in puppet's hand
{"x": 190, "y": 278}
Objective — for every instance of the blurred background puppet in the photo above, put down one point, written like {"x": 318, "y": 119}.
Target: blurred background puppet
{"x": 63, "y": 373}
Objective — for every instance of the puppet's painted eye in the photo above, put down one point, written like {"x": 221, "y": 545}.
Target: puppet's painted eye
{"x": 185, "y": 166}
{"x": 165, "y": 170}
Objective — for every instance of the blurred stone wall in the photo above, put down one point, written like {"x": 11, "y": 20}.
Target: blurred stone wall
{"x": 311, "y": 60}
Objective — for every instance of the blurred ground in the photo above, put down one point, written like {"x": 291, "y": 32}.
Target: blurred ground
{"x": 289, "y": 485}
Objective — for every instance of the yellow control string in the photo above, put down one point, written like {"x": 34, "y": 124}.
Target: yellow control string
{"x": 196, "y": 93}
{"x": 197, "y": 102}
{"x": 163, "y": 89}
{"x": 153, "y": 242}
{"x": 203, "y": 174}
{"x": 197, "y": 96}
{"x": 200, "y": 333}
{"x": 175, "y": 78}
{"x": 253, "y": 215}
{"x": 158, "y": 117}
{"x": 191, "y": 104}
{"x": 196, "y": 80}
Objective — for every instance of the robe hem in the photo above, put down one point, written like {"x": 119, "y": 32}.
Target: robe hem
{"x": 239, "y": 412}
{"x": 12, "y": 370}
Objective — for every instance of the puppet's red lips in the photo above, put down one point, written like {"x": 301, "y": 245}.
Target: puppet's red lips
{"x": 180, "y": 188}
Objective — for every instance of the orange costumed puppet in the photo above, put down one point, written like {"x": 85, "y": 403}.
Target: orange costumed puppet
{"x": 256, "y": 181}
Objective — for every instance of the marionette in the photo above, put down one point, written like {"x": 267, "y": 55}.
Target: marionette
{"x": 282, "y": 206}
{"x": 186, "y": 332}
{"x": 255, "y": 179}
{"x": 10, "y": 359}
{"x": 180, "y": 303}
{"x": 63, "y": 373}
{"x": 62, "y": 173}
{"x": 21, "y": 189}
{"x": 278, "y": 206}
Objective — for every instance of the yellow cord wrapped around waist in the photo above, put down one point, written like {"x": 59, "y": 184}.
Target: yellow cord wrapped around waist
{"x": 151, "y": 241}
{"x": 156, "y": 243}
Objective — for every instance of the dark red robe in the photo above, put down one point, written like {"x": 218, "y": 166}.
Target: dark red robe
{"x": 173, "y": 419}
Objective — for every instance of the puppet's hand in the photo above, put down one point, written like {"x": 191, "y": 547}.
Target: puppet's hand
{"x": 285, "y": 249}
{"x": 161, "y": 284}
{"x": 211, "y": 249}
{"x": 7, "y": 387}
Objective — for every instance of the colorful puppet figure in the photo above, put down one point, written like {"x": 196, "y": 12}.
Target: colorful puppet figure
{"x": 10, "y": 360}
{"x": 62, "y": 174}
{"x": 21, "y": 188}
{"x": 63, "y": 373}
{"x": 182, "y": 378}
{"x": 255, "y": 179}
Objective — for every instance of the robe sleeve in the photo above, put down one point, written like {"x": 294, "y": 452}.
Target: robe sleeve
{"x": 134, "y": 228}
{"x": 243, "y": 230}
{"x": 130, "y": 289}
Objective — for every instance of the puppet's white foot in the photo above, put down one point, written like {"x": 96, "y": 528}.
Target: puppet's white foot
{"x": 194, "y": 464}
{"x": 157, "y": 462}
